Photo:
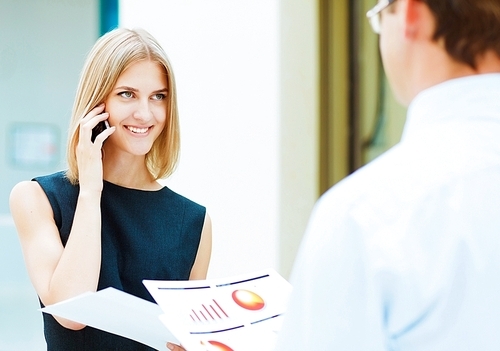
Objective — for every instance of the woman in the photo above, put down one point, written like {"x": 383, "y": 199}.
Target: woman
{"x": 107, "y": 221}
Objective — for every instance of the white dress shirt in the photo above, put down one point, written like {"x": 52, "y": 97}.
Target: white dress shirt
{"x": 405, "y": 253}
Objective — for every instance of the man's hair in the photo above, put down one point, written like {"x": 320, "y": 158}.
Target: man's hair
{"x": 112, "y": 54}
{"x": 469, "y": 28}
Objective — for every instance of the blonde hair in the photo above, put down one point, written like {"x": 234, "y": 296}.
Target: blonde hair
{"x": 112, "y": 54}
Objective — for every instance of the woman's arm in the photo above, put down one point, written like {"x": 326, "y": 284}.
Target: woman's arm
{"x": 58, "y": 272}
{"x": 200, "y": 267}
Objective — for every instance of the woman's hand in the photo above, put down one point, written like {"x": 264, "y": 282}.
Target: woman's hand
{"x": 88, "y": 153}
{"x": 175, "y": 347}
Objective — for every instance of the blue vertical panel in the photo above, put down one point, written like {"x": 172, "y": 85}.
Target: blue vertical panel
{"x": 108, "y": 15}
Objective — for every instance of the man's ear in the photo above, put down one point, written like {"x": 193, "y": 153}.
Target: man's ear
{"x": 419, "y": 21}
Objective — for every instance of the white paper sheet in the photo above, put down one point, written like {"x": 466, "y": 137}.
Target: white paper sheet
{"x": 242, "y": 313}
{"x": 119, "y": 313}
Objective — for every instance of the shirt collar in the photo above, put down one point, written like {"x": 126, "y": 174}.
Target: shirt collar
{"x": 476, "y": 95}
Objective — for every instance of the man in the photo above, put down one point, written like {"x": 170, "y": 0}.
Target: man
{"x": 405, "y": 253}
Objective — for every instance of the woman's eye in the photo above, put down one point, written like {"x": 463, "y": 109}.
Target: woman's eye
{"x": 126, "y": 94}
{"x": 158, "y": 96}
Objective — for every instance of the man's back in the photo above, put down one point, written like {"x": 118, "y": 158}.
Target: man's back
{"x": 407, "y": 250}
{"x": 405, "y": 253}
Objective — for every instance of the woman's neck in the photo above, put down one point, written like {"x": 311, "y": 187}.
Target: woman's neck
{"x": 129, "y": 172}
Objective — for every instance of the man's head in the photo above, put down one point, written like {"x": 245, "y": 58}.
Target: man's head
{"x": 425, "y": 42}
{"x": 469, "y": 28}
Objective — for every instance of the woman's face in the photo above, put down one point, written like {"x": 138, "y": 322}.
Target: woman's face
{"x": 137, "y": 107}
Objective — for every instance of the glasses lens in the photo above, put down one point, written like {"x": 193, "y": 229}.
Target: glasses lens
{"x": 374, "y": 14}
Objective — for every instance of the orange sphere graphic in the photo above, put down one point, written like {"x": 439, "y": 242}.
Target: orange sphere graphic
{"x": 218, "y": 346}
{"x": 248, "y": 300}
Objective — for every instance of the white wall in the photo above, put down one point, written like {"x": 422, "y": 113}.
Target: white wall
{"x": 43, "y": 44}
{"x": 225, "y": 59}
{"x": 299, "y": 123}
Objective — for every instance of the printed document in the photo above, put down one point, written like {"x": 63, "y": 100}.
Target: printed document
{"x": 239, "y": 313}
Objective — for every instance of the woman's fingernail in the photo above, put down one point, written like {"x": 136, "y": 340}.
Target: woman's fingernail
{"x": 170, "y": 346}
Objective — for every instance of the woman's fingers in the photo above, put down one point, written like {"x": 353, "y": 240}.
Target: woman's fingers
{"x": 94, "y": 112}
{"x": 86, "y": 125}
{"x": 99, "y": 139}
{"x": 90, "y": 121}
{"x": 174, "y": 347}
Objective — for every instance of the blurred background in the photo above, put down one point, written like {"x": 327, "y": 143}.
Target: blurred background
{"x": 279, "y": 100}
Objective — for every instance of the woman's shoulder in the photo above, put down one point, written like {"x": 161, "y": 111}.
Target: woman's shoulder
{"x": 178, "y": 202}
{"x": 57, "y": 178}
{"x": 24, "y": 190}
{"x": 180, "y": 198}
{"x": 27, "y": 197}
{"x": 56, "y": 183}
{"x": 33, "y": 187}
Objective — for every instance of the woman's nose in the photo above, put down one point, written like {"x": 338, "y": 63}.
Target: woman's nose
{"x": 143, "y": 111}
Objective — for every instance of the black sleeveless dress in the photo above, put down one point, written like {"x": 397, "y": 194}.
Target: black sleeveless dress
{"x": 145, "y": 235}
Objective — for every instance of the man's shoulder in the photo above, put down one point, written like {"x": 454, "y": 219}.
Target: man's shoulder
{"x": 380, "y": 174}
{"x": 381, "y": 190}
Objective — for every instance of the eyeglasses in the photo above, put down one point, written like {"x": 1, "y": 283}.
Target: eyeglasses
{"x": 374, "y": 14}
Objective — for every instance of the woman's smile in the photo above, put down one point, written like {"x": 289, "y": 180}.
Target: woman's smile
{"x": 138, "y": 130}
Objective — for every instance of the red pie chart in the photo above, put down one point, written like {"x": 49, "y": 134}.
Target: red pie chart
{"x": 218, "y": 346}
{"x": 248, "y": 300}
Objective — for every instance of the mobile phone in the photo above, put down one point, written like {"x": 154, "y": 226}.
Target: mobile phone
{"x": 98, "y": 129}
